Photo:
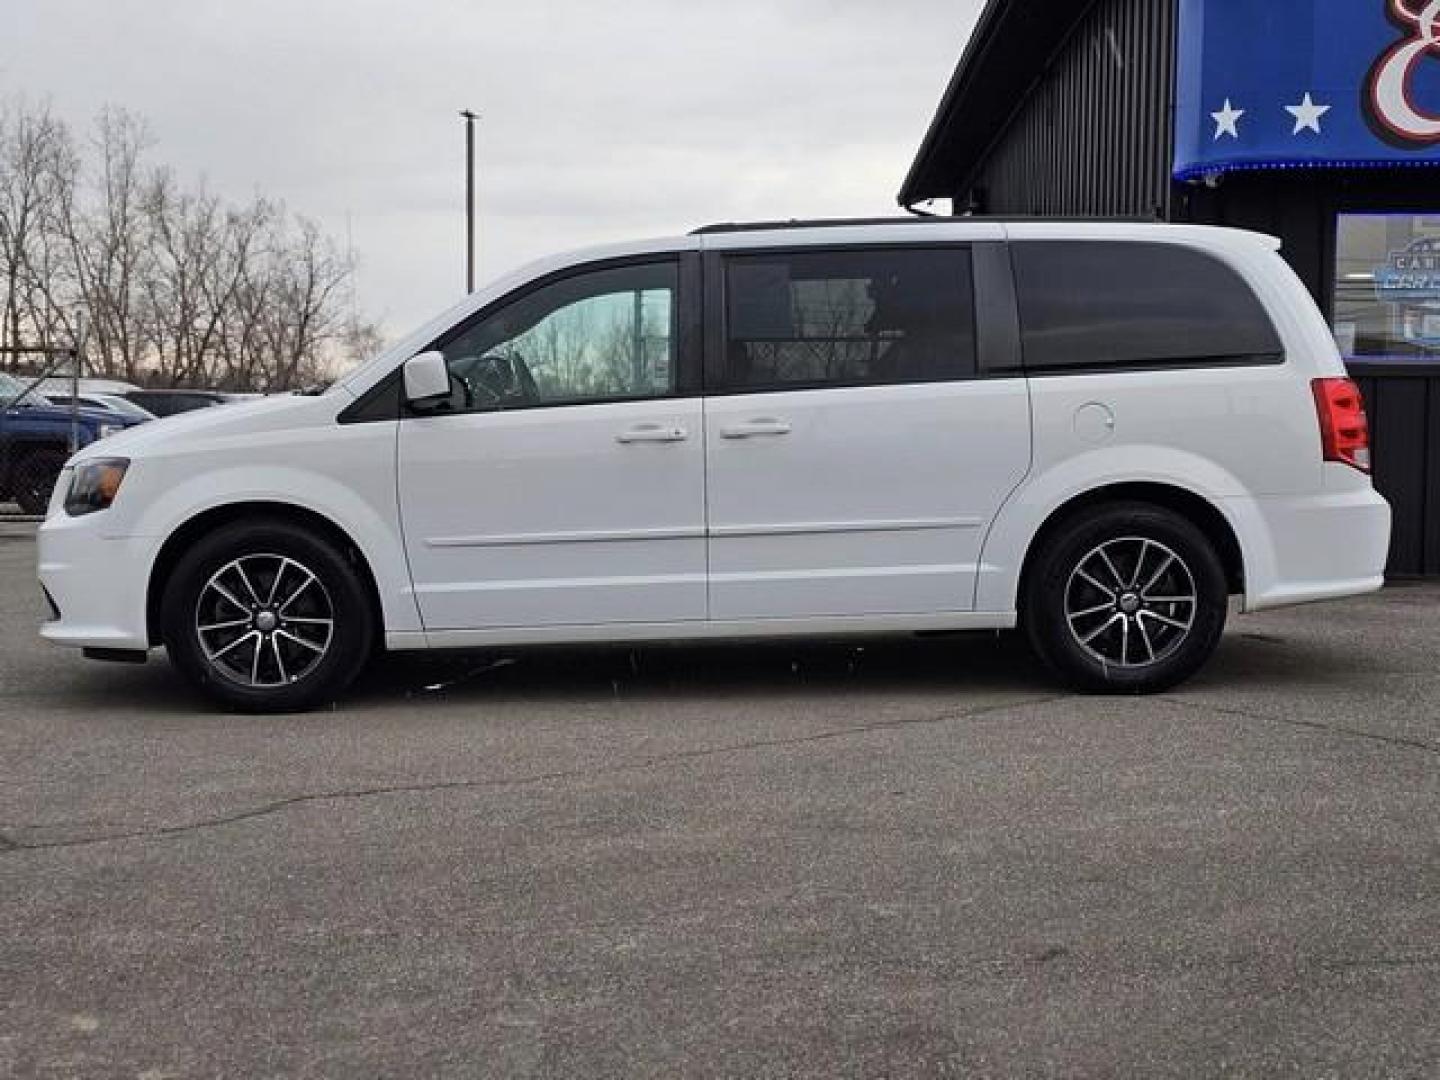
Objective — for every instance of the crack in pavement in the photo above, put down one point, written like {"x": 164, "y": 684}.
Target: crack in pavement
{"x": 1310, "y": 725}
{"x": 1353, "y": 963}
{"x": 12, "y": 846}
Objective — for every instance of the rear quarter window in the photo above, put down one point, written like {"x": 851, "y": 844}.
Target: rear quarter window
{"x": 1107, "y": 306}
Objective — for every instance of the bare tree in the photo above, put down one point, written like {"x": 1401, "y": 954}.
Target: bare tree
{"x": 113, "y": 245}
{"x": 304, "y": 316}
{"x": 175, "y": 286}
{"x": 35, "y": 157}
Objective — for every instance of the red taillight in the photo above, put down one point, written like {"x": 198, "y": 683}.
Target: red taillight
{"x": 1344, "y": 431}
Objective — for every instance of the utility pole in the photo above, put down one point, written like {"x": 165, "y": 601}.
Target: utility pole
{"x": 470, "y": 118}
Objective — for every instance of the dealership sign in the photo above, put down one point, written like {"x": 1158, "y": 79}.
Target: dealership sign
{"x": 1307, "y": 83}
{"x": 1412, "y": 273}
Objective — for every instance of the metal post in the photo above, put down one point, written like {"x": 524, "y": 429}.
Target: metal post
{"x": 74, "y": 355}
{"x": 470, "y": 119}
{"x": 637, "y": 354}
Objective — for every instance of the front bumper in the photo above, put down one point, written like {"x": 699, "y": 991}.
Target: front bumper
{"x": 97, "y": 583}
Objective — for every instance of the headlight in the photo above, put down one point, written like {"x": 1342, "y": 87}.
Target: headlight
{"x": 95, "y": 485}
{"x": 106, "y": 430}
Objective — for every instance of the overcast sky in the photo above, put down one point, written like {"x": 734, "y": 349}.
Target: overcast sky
{"x": 602, "y": 121}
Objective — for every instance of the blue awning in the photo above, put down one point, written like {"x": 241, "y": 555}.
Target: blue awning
{"x": 1307, "y": 84}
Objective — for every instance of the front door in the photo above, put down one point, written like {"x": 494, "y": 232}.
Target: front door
{"x": 856, "y": 455}
{"x": 563, "y": 483}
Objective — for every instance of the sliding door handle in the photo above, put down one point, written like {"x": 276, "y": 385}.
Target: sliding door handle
{"x": 653, "y": 433}
{"x": 756, "y": 429}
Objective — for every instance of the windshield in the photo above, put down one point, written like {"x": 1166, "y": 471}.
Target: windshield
{"x": 123, "y": 406}
{"x": 12, "y": 393}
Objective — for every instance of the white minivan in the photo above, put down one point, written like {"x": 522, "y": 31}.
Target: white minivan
{"x": 1096, "y": 432}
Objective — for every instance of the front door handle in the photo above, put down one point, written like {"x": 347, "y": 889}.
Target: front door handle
{"x": 653, "y": 433}
{"x": 756, "y": 429}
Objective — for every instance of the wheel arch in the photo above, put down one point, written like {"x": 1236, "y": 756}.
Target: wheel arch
{"x": 217, "y": 517}
{"x": 1196, "y": 509}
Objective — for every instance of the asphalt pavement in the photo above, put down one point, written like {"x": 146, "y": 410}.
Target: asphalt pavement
{"x": 886, "y": 858}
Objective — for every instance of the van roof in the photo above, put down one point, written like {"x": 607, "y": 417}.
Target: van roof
{"x": 904, "y": 230}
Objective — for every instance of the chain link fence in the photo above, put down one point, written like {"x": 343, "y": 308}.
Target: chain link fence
{"x": 36, "y": 436}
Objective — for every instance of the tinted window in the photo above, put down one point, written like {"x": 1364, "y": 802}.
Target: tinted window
{"x": 1118, "y": 305}
{"x": 845, "y": 318}
{"x": 603, "y": 335}
{"x": 382, "y": 402}
{"x": 189, "y": 402}
{"x": 166, "y": 403}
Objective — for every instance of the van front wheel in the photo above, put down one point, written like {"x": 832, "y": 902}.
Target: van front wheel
{"x": 1126, "y": 598}
{"x": 266, "y": 616}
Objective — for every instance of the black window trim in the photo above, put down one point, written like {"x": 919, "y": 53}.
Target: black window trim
{"x": 997, "y": 345}
{"x": 359, "y": 410}
{"x": 687, "y": 341}
{"x": 1140, "y": 367}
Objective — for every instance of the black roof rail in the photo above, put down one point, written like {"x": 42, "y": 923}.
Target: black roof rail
{"x": 840, "y": 223}
{"x": 815, "y": 223}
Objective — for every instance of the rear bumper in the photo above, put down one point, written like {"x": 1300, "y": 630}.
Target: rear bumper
{"x": 1319, "y": 547}
{"x": 97, "y": 584}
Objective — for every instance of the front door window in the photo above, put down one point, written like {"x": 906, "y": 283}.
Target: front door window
{"x": 604, "y": 335}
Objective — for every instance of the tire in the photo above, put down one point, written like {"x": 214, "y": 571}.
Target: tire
{"x": 1105, "y": 626}
{"x": 265, "y": 616}
{"x": 34, "y": 479}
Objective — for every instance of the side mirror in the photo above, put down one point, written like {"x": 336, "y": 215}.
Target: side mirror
{"x": 427, "y": 377}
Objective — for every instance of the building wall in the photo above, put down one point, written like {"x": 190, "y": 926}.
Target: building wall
{"x": 1404, "y": 409}
{"x": 1300, "y": 206}
{"x": 1094, "y": 136}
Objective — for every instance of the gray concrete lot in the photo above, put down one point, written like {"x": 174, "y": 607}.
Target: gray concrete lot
{"x": 897, "y": 859}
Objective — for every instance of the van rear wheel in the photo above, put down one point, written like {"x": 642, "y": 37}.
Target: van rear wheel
{"x": 267, "y": 616}
{"x": 1126, "y": 598}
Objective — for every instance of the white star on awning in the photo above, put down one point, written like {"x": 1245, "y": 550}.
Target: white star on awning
{"x": 1307, "y": 114}
{"x": 1227, "y": 121}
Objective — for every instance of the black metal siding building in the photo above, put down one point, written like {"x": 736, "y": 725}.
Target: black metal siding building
{"x": 1069, "y": 109}
{"x": 1091, "y": 135}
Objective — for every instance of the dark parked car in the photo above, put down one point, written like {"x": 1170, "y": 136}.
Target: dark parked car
{"x": 35, "y": 441}
{"x": 170, "y": 402}
{"x": 112, "y": 403}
